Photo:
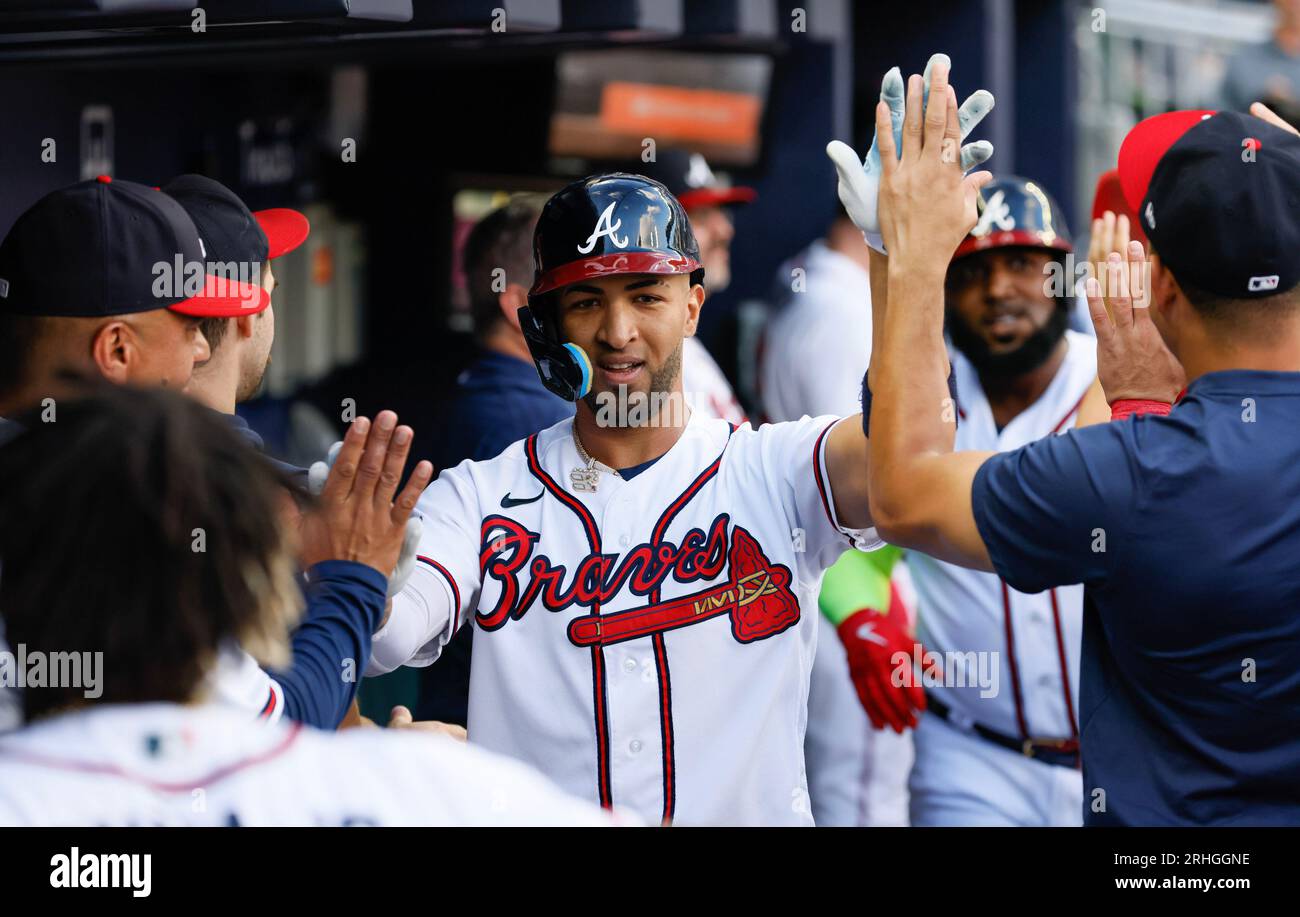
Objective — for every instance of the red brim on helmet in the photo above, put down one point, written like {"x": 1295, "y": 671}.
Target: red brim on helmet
{"x": 971, "y": 244}
{"x": 641, "y": 262}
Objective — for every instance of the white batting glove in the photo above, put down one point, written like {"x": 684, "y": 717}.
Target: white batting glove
{"x": 406, "y": 559}
{"x": 859, "y": 181}
{"x": 316, "y": 476}
{"x": 319, "y": 471}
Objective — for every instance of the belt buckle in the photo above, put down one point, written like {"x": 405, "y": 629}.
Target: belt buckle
{"x": 1029, "y": 747}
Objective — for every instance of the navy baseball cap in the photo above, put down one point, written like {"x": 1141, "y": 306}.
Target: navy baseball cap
{"x": 105, "y": 247}
{"x": 1218, "y": 195}
{"x": 231, "y": 231}
{"x": 688, "y": 176}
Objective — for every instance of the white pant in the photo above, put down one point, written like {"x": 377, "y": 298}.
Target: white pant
{"x": 960, "y": 779}
{"x": 857, "y": 775}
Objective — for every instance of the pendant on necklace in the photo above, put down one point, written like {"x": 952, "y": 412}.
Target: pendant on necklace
{"x": 585, "y": 479}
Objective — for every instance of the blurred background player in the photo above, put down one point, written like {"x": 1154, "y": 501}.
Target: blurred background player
{"x": 152, "y": 748}
{"x": 708, "y": 202}
{"x": 812, "y": 363}
{"x": 1269, "y": 72}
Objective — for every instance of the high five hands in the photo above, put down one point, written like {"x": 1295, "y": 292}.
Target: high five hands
{"x": 859, "y": 180}
{"x": 927, "y": 203}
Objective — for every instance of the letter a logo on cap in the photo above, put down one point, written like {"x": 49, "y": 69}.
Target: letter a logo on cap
{"x": 1151, "y": 215}
{"x": 4, "y": 288}
{"x": 604, "y": 228}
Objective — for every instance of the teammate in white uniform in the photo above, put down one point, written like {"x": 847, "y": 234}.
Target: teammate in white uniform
{"x": 813, "y": 362}
{"x": 645, "y": 635}
{"x": 209, "y": 765}
{"x": 999, "y": 743}
{"x": 152, "y": 749}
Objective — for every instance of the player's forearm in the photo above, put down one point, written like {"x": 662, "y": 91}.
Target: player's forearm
{"x": 421, "y": 619}
{"x": 344, "y": 603}
{"x": 912, "y": 412}
{"x": 879, "y": 270}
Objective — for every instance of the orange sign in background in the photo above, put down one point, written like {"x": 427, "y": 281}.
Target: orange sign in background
{"x": 672, "y": 112}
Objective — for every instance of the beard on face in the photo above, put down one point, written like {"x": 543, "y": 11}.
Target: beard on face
{"x": 661, "y": 383}
{"x": 1028, "y": 356}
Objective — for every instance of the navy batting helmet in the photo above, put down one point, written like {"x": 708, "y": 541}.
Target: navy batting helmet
{"x": 599, "y": 226}
{"x": 1016, "y": 211}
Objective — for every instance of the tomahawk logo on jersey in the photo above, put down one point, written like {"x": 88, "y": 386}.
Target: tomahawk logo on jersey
{"x": 646, "y": 645}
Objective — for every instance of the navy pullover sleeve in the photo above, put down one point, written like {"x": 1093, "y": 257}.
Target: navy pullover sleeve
{"x": 345, "y": 603}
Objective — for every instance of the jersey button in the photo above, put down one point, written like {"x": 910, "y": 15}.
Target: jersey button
{"x": 624, "y": 540}
{"x": 629, "y": 664}
{"x": 634, "y": 746}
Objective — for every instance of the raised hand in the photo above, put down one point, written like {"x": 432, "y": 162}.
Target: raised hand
{"x": 360, "y": 516}
{"x": 927, "y": 204}
{"x": 859, "y": 180}
{"x": 1133, "y": 362}
{"x": 319, "y": 472}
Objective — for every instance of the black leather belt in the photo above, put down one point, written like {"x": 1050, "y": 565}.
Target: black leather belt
{"x": 1061, "y": 752}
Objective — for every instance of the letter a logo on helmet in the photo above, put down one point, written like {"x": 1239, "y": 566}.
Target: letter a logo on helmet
{"x": 603, "y": 228}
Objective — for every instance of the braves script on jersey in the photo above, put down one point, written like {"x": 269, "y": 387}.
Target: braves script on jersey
{"x": 163, "y": 764}
{"x": 647, "y": 645}
{"x": 1036, "y": 637}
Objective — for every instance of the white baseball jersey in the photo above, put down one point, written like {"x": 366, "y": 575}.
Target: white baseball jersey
{"x": 165, "y": 764}
{"x": 239, "y": 681}
{"x": 705, "y": 385}
{"x": 815, "y": 351}
{"x": 646, "y": 645}
{"x": 1034, "y": 638}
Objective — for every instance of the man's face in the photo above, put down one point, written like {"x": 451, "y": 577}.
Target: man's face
{"x": 257, "y": 353}
{"x": 631, "y": 326}
{"x": 714, "y": 232}
{"x": 169, "y": 344}
{"x": 1000, "y": 314}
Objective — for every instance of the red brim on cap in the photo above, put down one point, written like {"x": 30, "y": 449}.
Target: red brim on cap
{"x": 285, "y": 229}
{"x": 224, "y": 298}
{"x": 609, "y": 265}
{"x": 1141, "y": 150}
{"x": 713, "y": 197}
{"x": 1110, "y": 196}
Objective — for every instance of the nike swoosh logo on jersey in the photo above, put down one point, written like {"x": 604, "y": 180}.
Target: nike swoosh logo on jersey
{"x": 508, "y": 501}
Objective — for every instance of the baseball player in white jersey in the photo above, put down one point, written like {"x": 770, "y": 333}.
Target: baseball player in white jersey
{"x": 152, "y": 746}
{"x": 644, "y": 588}
{"x": 999, "y": 743}
{"x": 209, "y": 765}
